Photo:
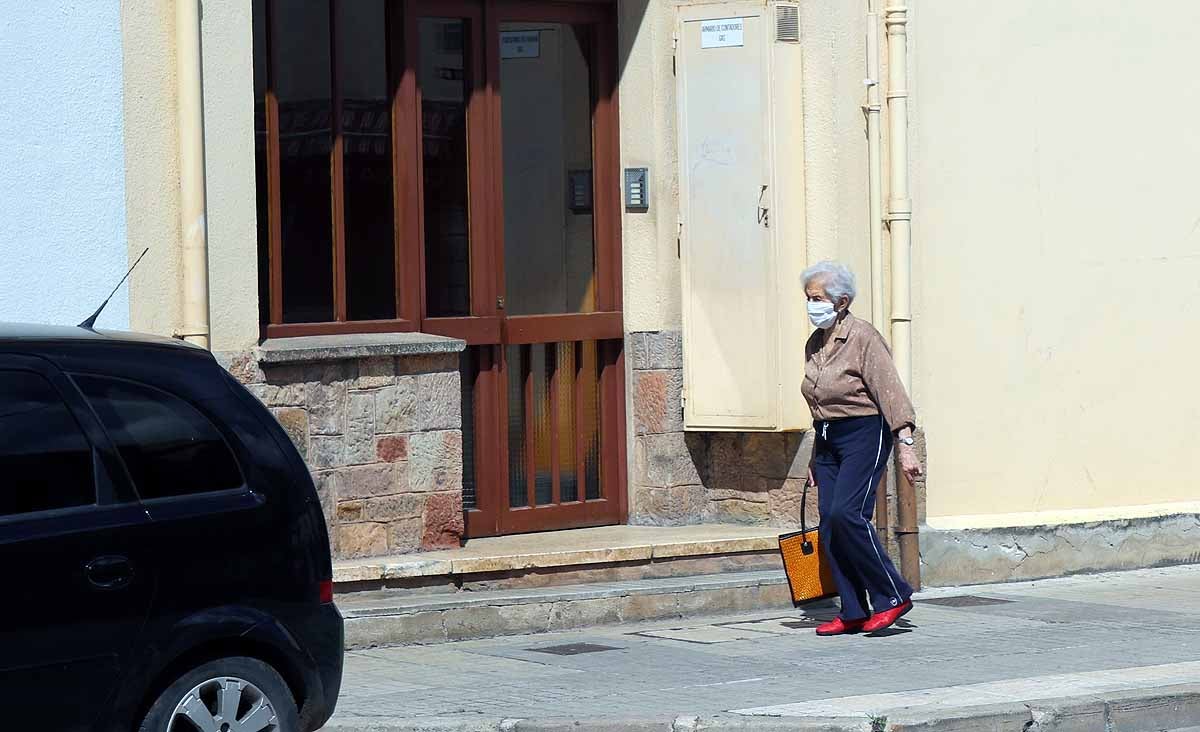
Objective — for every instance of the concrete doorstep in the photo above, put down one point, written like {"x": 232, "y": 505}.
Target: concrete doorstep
{"x": 555, "y": 581}
{"x": 577, "y": 549}
{"x": 383, "y": 619}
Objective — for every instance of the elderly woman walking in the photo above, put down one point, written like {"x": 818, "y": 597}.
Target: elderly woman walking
{"x": 860, "y": 409}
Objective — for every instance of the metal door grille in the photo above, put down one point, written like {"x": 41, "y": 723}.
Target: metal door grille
{"x": 553, "y": 423}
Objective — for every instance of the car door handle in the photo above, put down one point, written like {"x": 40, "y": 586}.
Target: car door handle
{"x": 109, "y": 573}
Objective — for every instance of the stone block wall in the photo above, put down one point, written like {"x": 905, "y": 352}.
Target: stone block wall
{"x": 712, "y": 477}
{"x": 382, "y": 436}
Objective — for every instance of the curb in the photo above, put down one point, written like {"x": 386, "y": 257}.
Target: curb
{"x": 658, "y": 724}
{"x": 1143, "y": 710}
{"x": 1162, "y": 708}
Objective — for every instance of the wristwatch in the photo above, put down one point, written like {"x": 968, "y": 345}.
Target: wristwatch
{"x": 906, "y": 440}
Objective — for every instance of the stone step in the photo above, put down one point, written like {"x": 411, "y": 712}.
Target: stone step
{"x": 580, "y": 556}
{"x": 383, "y": 618}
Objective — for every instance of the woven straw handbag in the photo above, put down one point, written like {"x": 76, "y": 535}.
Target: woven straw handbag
{"x": 807, "y": 569}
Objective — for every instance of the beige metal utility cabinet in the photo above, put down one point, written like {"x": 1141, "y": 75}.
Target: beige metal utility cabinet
{"x": 741, "y": 146}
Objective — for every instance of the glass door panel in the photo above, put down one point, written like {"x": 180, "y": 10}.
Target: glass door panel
{"x": 366, "y": 115}
{"x": 546, "y": 123}
{"x": 305, "y": 96}
{"x": 443, "y": 75}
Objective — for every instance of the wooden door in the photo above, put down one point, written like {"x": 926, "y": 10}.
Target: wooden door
{"x": 517, "y": 202}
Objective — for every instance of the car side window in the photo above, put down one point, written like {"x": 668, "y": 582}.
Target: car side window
{"x": 168, "y": 446}
{"x": 45, "y": 459}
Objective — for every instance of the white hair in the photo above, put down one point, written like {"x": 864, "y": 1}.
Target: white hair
{"x": 835, "y": 278}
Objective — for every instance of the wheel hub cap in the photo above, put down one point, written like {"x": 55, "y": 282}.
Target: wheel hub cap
{"x": 225, "y": 704}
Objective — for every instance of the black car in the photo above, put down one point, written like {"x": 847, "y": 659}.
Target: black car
{"x": 164, "y": 555}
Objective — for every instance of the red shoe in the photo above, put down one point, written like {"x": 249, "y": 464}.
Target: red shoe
{"x": 887, "y": 618}
{"x": 837, "y": 626}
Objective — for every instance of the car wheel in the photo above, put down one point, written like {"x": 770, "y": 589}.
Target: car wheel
{"x": 227, "y": 695}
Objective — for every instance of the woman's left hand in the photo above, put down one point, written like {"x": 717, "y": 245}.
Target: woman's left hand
{"x": 909, "y": 464}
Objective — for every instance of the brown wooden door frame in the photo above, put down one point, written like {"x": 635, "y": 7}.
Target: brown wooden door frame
{"x": 407, "y": 280}
{"x": 604, "y": 326}
{"x": 483, "y": 324}
{"x": 487, "y": 328}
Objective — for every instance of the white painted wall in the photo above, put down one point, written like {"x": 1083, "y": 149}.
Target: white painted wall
{"x": 1056, "y": 257}
{"x": 62, "y": 169}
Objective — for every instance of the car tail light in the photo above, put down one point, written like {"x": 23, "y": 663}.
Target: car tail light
{"x": 325, "y": 592}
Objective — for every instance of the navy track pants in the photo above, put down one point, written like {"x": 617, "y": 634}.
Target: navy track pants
{"x": 849, "y": 459}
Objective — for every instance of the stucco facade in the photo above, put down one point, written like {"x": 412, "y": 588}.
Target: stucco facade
{"x": 1054, "y": 249}
{"x": 834, "y": 148}
{"x": 151, "y": 139}
{"x": 1056, "y": 259}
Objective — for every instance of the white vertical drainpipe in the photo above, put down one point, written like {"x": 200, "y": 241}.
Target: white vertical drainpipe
{"x": 875, "y": 167}
{"x": 875, "y": 219}
{"x": 192, "y": 196}
{"x": 900, "y": 226}
{"x": 899, "y": 205}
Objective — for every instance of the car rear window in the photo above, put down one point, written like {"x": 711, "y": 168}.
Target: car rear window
{"x": 45, "y": 459}
{"x": 168, "y": 446}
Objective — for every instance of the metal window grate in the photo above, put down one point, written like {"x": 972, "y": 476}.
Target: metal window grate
{"x": 468, "y": 369}
{"x": 787, "y": 23}
{"x": 802, "y": 623}
{"x": 573, "y": 649}
{"x": 964, "y": 601}
{"x": 795, "y": 623}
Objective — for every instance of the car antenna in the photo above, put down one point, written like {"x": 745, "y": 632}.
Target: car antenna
{"x": 91, "y": 321}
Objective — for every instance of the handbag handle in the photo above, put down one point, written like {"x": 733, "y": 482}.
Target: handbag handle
{"x": 804, "y": 507}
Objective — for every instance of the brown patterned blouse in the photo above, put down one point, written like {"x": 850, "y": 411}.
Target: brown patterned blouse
{"x": 852, "y": 375}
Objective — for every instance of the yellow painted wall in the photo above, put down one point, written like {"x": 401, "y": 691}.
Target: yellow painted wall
{"x": 152, "y": 169}
{"x": 232, "y": 204}
{"x": 1056, "y": 244}
{"x": 1056, "y": 257}
{"x": 835, "y": 149}
{"x": 152, "y": 165}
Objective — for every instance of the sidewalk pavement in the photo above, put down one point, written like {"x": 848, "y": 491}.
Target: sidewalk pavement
{"x": 1117, "y": 652}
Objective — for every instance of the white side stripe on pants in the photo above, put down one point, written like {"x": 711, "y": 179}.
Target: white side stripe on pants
{"x": 870, "y": 530}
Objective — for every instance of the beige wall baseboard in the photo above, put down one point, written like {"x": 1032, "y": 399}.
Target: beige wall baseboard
{"x": 974, "y": 556}
{"x": 1055, "y": 518}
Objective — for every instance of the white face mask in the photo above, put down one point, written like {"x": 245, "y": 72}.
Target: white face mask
{"x": 822, "y": 314}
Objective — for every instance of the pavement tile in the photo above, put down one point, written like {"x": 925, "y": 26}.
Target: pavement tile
{"x": 1075, "y": 625}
